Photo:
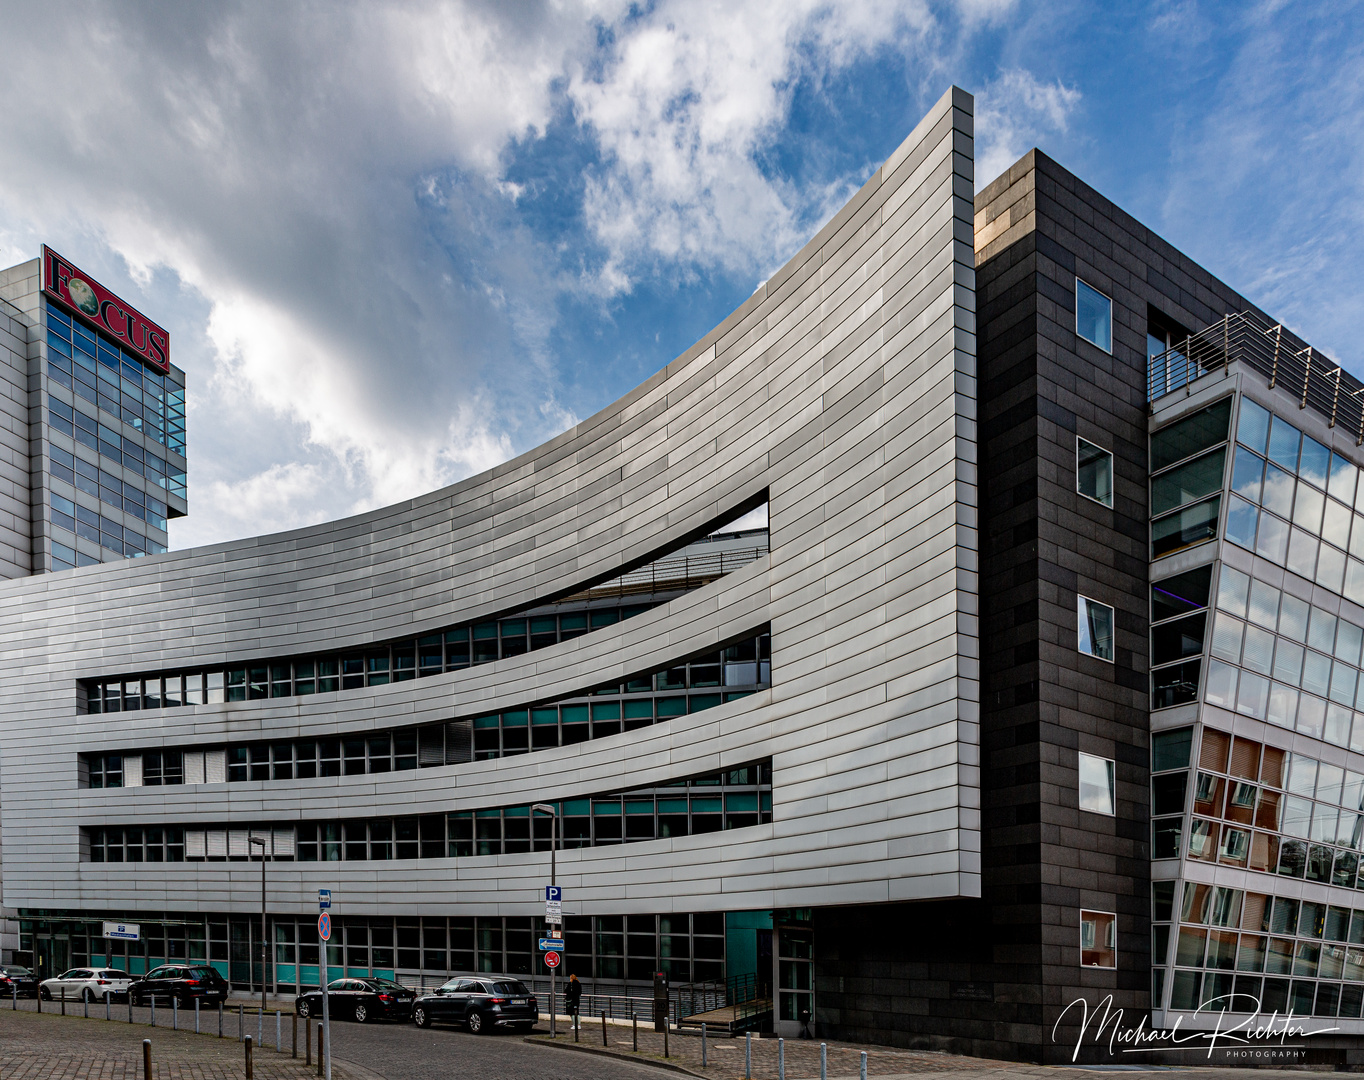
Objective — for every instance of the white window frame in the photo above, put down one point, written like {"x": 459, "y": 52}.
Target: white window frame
{"x": 1111, "y": 915}
{"x": 1106, "y": 348}
{"x": 1081, "y": 439}
{"x": 1112, "y": 779}
{"x": 1082, "y": 622}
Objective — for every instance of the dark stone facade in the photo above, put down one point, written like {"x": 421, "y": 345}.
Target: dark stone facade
{"x": 991, "y": 977}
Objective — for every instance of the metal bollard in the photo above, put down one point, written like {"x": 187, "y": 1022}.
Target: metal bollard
{"x": 241, "y": 1022}
{"x": 295, "y": 1025}
{"x": 260, "y": 1027}
{"x": 864, "y": 1065}
{"x": 130, "y": 1006}
{"x": 703, "y": 1044}
{"x": 603, "y": 1029}
{"x": 85, "y": 1003}
{"x": 748, "y": 1055}
{"x": 38, "y": 997}
{"x": 220, "y": 1019}
{"x": 196, "y": 1016}
{"x": 575, "y": 1027}
{"x": 634, "y": 1031}
{"x": 250, "y": 1072}
{"x": 175, "y": 1014}
{"x": 666, "y": 1026}
{"x": 307, "y": 1040}
{"x": 14, "y": 992}
{"x": 320, "y": 1070}
{"x": 146, "y": 1059}
{"x": 781, "y": 1059}
{"x": 63, "y": 1001}
{"x": 278, "y": 1041}
{"x": 153, "y": 1011}
{"x": 108, "y": 1007}
{"x": 823, "y": 1061}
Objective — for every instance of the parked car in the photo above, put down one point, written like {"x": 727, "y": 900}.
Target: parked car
{"x": 481, "y": 1003}
{"x": 360, "y": 1000}
{"x": 12, "y": 975}
{"x": 182, "y": 982}
{"x": 88, "y": 984}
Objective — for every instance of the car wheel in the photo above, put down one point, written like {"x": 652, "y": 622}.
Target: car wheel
{"x": 304, "y": 1008}
{"x": 45, "y": 993}
{"x": 476, "y": 1023}
{"x": 361, "y": 1013}
{"x": 420, "y": 1018}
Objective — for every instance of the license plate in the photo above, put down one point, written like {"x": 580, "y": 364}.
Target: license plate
{"x": 518, "y": 1001}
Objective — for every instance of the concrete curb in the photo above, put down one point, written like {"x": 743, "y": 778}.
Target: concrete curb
{"x": 620, "y": 1055}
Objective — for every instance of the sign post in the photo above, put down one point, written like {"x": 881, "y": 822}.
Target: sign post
{"x": 324, "y": 933}
{"x": 553, "y": 902}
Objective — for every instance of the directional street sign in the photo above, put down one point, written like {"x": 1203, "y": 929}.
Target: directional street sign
{"x": 324, "y": 899}
{"x": 122, "y": 931}
{"x": 551, "y": 960}
{"x": 554, "y": 894}
{"x": 556, "y": 944}
{"x": 324, "y": 926}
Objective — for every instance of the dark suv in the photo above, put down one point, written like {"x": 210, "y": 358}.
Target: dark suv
{"x": 481, "y": 1003}
{"x": 181, "y": 982}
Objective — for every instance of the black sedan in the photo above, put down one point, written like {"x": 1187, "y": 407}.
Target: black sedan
{"x": 181, "y": 983}
{"x": 15, "y": 977}
{"x": 360, "y": 1000}
{"x": 482, "y": 1004}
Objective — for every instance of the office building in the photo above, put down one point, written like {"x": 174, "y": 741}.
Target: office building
{"x": 92, "y": 418}
{"x": 889, "y": 762}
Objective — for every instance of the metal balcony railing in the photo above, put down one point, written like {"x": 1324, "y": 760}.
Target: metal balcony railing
{"x": 677, "y": 572}
{"x": 1287, "y": 362}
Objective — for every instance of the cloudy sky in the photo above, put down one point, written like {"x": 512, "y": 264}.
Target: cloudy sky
{"x": 397, "y": 243}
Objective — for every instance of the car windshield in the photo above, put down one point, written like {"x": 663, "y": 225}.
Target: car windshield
{"x": 513, "y": 989}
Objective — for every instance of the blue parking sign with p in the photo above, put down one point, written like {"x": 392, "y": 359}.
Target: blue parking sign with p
{"x": 554, "y": 892}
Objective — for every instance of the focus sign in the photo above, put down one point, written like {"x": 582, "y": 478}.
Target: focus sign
{"x": 90, "y": 301}
{"x": 551, "y": 960}
{"x": 324, "y": 926}
{"x": 122, "y": 931}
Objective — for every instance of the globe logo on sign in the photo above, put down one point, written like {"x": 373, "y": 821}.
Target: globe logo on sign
{"x": 83, "y": 296}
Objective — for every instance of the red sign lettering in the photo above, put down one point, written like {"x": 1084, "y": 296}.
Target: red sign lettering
{"x": 91, "y": 302}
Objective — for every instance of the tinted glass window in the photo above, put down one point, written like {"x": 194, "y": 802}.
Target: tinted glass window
{"x": 1093, "y": 316}
{"x": 1181, "y": 594}
{"x": 1201, "y": 431}
{"x": 515, "y": 989}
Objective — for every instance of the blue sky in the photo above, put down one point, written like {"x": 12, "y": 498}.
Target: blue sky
{"x": 398, "y": 243}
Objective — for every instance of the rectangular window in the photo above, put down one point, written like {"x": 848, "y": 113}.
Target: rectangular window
{"x": 1098, "y": 939}
{"x": 1093, "y": 472}
{"x": 1093, "y": 316}
{"x": 1097, "y": 793}
{"x": 1095, "y": 629}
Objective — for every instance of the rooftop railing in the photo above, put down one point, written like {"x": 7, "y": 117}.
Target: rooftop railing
{"x": 1284, "y": 359}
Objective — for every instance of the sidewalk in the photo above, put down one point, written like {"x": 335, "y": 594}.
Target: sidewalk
{"x": 49, "y": 1046}
{"x": 725, "y": 1059}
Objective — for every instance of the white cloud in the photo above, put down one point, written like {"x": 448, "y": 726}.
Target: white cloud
{"x": 1014, "y": 113}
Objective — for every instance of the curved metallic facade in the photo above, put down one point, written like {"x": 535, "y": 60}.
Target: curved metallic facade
{"x": 844, "y": 389}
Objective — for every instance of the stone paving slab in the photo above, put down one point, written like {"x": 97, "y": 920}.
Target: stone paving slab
{"x": 49, "y": 1046}
{"x": 725, "y": 1060}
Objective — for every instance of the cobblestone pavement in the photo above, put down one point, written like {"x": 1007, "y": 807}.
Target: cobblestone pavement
{"x": 53, "y": 1047}
{"x": 725, "y": 1060}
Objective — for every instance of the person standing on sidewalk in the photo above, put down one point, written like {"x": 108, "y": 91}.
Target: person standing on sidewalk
{"x": 573, "y": 993}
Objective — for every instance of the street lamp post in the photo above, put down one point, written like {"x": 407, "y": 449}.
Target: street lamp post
{"x": 254, "y": 840}
{"x": 553, "y": 812}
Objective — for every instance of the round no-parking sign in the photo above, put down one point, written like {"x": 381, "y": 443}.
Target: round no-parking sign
{"x": 324, "y": 926}
{"x": 551, "y": 959}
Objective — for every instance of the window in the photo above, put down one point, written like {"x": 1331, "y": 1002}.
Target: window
{"x": 1096, "y": 629}
{"x": 1093, "y": 316}
{"x": 1093, "y": 472}
{"x": 1096, "y": 785}
{"x": 1098, "y": 939}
